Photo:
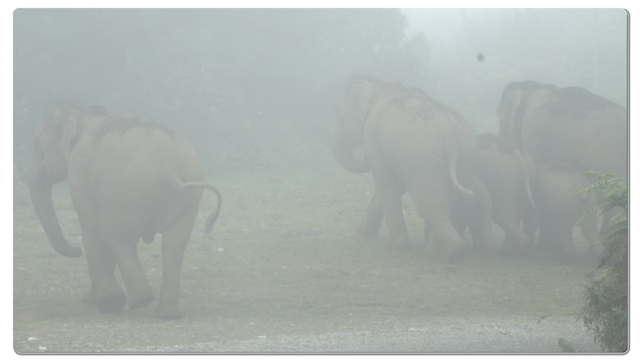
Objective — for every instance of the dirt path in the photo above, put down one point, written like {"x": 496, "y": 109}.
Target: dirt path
{"x": 457, "y": 336}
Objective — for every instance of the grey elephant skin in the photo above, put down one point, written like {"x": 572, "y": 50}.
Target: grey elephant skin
{"x": 559, "y": 209}
{"x": 510, "y": 173}
{"x": 129, "y": 178}
{"x": 411, "y": 143}
{"x": 568, "y": 125}
{"x": 474, "y": 212}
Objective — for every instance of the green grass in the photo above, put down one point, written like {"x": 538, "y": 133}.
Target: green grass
{"x": 283, "y": 259}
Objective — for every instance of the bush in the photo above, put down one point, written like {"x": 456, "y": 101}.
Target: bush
{"x": 606, "y": 312}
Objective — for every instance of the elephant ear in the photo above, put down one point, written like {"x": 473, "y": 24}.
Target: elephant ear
{"x": 67, "y": 131}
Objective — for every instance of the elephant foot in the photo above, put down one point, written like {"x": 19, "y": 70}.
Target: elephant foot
{"x": 108, "y": 295}
{"x": 168, "y": 312}
{"x": 140, "y": 300}
{"x": 112, "y": 302}
{"x": 513, "y": 249}
{"x": 452, "y": 253}
{"x": 456, "y": 253}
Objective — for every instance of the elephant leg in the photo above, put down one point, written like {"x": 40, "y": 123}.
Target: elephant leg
{"x": 105, "y": 290}
{"x": 516, "y": 241}
{"x": 481, "y": 233}
{"x": 481, "y": 219}
{"x": 370, "y": 225}
{"x": 432, "y": 199}
{"x": 394, "y": 217}
{"x": 461, "y": 218}
{"x": 447, "y": 236}
{"x": 139, "y": 291}
{"x": 529, "y": 222}
{"x": 174, "y": 243}
{"x": 507, "y": 216}
{"x": 548, "y": 237}
{"x": 109, "y": 263}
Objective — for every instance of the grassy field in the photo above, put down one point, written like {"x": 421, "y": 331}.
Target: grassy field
{"x": 283, "y": 259}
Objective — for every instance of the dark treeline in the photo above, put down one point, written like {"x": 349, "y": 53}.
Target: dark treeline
{"x": 226, "y": 78}
{"x": 254, "y": 87}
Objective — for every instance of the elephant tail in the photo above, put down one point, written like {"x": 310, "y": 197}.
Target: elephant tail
{"x": 522, "y": 166}
{"x": 214, "y": 215}
{"x": 173, "y": 180}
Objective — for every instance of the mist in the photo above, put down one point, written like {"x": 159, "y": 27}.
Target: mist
{"x": 255, "y": 91}
{"x": 220, "y": 74}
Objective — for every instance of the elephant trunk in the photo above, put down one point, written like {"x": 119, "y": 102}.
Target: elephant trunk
{"x": 40, "y": 191}
{"x": 344, "y": 156}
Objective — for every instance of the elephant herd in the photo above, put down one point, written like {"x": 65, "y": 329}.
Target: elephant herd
{"x": 131, "y": 178}
{"x": 523, "y": 178}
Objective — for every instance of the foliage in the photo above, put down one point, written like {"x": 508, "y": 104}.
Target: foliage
{"x": 566, "y": 345}
{"x": 606, "y": 312}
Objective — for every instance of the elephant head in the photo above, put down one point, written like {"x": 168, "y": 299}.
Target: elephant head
{"x": 62, "y": 126}
{"x": 360, "y": 94}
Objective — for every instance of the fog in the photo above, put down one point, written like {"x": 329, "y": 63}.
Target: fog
{"x": 214, "y": 74}
{"x": 255, "y": 90}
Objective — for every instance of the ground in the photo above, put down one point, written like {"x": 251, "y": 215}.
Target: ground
{"x": 284, "y": 262}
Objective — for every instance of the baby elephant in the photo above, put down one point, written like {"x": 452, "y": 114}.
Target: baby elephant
{"x": 559, "y": 210}
{"x": 509, "y": 173}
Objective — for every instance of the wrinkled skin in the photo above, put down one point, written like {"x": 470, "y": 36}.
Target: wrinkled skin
{"x": 567, "y": 125}
{"x": 129, "y": 178}
{"x": 411, "y": 143}
{"x": 510, "y": 173}
{"x": 559, "y": 210}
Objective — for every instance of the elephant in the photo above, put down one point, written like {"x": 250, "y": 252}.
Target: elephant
{"x": 474, "y": 212}
{"x": 510, "y": 173}
{"x": 559, "y": 210}
{"x": 569, "y": 125}
{"x": 411, "y": 143}
{"x": 129, "y": 177}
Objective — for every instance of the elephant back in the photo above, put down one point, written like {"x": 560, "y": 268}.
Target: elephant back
{"x": 577, "y": 103}
{"x": 123, "y": 123}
